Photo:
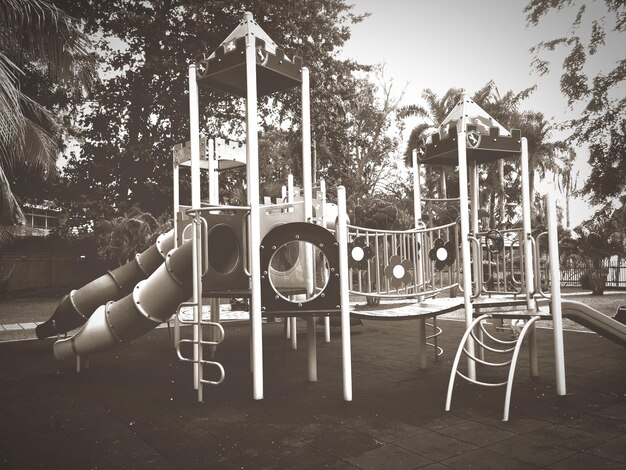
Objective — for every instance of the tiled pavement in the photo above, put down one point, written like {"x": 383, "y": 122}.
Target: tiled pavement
{"x": 135, "y": 408}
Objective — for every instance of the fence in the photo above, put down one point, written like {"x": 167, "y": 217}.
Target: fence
{"x": 616, "y": 273}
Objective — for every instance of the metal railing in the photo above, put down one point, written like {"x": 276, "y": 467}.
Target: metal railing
{"x": 412, "y": 251}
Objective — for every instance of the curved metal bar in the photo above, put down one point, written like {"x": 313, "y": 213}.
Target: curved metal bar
{"x": 537, "y": 258}
{"x": 479, "y": 272}
{"x": 220, "y": 329}
{"x": 212, "y": 208}
{"x": 399, "y": 295}
{"x": 457, "y": 358}
{"x": 477, "y": 382}
{"x": 412, "y": 230}
{"x": 489, "y": 348}
{"x": 493, "y": 338}
{"x": 244, "y": 238}
{"x": 518, "y": 347}
{"x": 442, "y": 199}
{"x": 205, "y": 244}
{"x": 485, "y": 363}
{"x": 222, "y": 373}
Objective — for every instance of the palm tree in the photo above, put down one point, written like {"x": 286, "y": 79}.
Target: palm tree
{"x": 434, "y": 113}
{"x": 34, "y": 35}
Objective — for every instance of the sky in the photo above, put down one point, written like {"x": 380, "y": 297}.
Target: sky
{"x": 456, "y": 43}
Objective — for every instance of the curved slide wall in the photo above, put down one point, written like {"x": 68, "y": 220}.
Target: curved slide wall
{"x": 594, "y": 320}
{"x": 77, "y": 306}
{"x": 152, "y": 301}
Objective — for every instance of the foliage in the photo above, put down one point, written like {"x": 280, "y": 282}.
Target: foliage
{"x": 602, "y": 236}
{"x": 120, "y": 238}
{"x": 602, "y": 122}
{"x": 544, "y": 154}
{"x": 43, "y": 55}
{"x": 383, "y": 213}
{"x": 140, "y": 111}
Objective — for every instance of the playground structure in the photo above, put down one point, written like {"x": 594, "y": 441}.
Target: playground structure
{"x": 300, "y": 258}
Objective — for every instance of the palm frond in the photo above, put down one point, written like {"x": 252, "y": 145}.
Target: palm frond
{"x": 412, "y": 110}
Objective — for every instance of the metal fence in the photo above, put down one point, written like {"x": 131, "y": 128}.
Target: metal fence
{"x": 616, "y": 273}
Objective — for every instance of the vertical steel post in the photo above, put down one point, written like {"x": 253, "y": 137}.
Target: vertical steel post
{"x": 528, "y": 255}
{"x": 346, "y": 347}
{"x": 214, "y": 304}
{"x": 194, "y": 134}
{"x": 176, "y": 207}
{"x": 478, "y": 262}
{"x": 324, "y": 224}
{"x": 293, "y": 323}
{"x": 307, "y": 182}
{"x": 417, "y": 214}
{"x": 555, "y": 295}
{"x": 254, "y": 235}
{"x": 465, "y": 230}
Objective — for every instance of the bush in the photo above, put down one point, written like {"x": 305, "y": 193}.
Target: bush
{"x": 594, "y": 279}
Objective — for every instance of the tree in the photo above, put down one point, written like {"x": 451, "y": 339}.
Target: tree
{"x": 504, "y": 108}
{"x": 40, "y": 47}
{"x": 602, "y": 123}
{"x": 141, "y": 110}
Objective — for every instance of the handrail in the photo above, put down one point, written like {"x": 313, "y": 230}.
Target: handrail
{"x": 244, "y": 238}
{"x": 537, "y": 262}
{"x": 412, "y": 230}
{"x": 215, "y": 207}
{"x": 479, "y": 272}
{"x": 204, "y": 246}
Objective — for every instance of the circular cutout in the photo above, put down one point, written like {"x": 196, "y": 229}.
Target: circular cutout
{"x": 305, "y": 271}
{"x": 357, "y": 253}
{"x": 224, "y": 250}
{"x": 442, "y": 254}
{"x": 398, "y": 271}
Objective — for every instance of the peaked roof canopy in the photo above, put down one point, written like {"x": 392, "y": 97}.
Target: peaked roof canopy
{"x": 225, "y": 68}
{"x": 487, "y": 140}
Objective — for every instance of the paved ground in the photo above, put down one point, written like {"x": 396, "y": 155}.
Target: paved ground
{"x": 136, "y": 408}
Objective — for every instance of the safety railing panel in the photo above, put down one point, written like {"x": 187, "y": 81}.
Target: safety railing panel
{"x": 502, "y": 261}
{"x": 403, "y": 264}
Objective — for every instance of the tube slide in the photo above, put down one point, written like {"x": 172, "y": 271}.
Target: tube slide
{"x": 152, "y": 301}
{"x": 77, "y": 306}
{"x": 594, "y": 320}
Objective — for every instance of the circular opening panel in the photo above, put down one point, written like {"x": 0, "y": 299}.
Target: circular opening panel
{"x": 299, "y": 271}
{"x": 442, "y": 254}
{"x": 398, "y": 271}
{"x": 224, "y": 250}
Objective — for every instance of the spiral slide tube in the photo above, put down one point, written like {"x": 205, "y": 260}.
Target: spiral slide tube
{"x": 152, "y": 301}
{"x": 77, "y": 306}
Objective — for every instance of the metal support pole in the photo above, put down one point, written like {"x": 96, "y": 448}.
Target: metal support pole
{"x": 417, "y": 214}
{"x": 555, "y": 295}
{"x": 346, "y": 348}
{"x": 502, "y": 206}
{"x": 478, "y": 262}
{"x": 176, "y": 207}
{"x": 254, "y": 236}
{"x": 194, "y": 137}
{"x": 528, "y": 255}
{"x": 323, "y": 222}
{"x": 465, "y": 230}
{"x": 307, "y": 188}
{"x": 293, "y": 322}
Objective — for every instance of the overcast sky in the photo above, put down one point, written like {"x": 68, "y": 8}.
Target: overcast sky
{"x": 457, "y": 43}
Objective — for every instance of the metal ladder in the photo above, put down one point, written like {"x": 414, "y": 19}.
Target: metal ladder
{"x": 200, "y": 267}
{"x": 501, "y": 347}
{"x": 198, "y": 347}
